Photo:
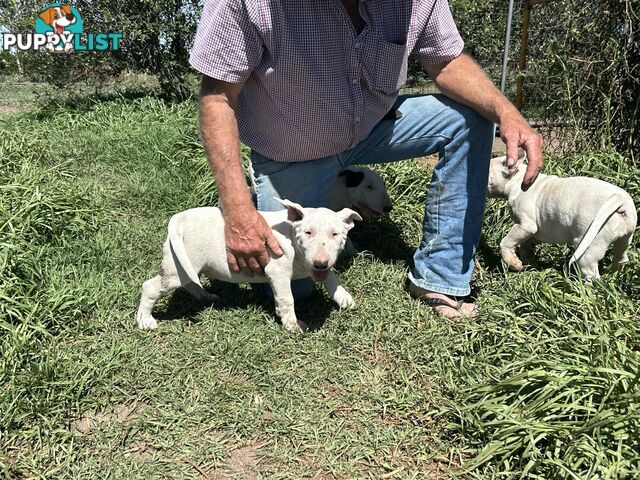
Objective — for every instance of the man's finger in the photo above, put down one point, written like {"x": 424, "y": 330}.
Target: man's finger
{"x": 233, "y": 263}
{"x": 534, "y": 162}
{"x": 511, "y": 142}
{"x": 254, "y": 265}
{"x": 263, "y": 258}
{"x": 273, "y": 244}
{"x": 242, "y": 263}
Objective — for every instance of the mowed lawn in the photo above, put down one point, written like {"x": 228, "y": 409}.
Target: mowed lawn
{"x": 544, "y": 384}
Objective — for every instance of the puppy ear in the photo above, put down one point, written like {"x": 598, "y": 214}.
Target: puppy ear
{"x": 352, "y": 179}
{"x": 47, "y": 15}
{"x": 65, "y": 8}
{"x": 522, "y": 155}
{"x": 510, "y": 171}
{"x": 348, "y": 216}
{"x": 295, "y": 212}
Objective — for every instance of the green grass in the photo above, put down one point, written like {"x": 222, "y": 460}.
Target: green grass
{"x": 543, "y": 385}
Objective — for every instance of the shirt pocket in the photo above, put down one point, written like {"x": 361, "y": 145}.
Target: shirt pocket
{"x": 386, "y": 66}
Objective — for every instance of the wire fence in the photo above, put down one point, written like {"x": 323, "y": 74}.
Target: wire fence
{"x": 573, "y": 67}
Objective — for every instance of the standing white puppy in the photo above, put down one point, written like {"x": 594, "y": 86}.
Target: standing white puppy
{"x": 311, "y": 239}
{"x": 587, "y": 213}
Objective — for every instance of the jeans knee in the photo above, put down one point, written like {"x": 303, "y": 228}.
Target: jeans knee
{"x": 468, "y": 122}
{"x": 477, "y": 125}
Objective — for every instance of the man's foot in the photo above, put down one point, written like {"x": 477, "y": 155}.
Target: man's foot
{"x": 444, "y": 305}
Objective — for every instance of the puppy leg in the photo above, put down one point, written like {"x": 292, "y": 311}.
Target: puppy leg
{"x": 516, "y": 236}
{"x": 337, "y": 293}
{"x": 152, "y": 290}
{"x": 283, "y": 298}
{"x": 588, "y": 262}
{"x": 620, "y": 247}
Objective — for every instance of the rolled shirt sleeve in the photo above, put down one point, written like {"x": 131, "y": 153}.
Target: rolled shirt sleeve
{"x": 440, "y": 40}
{"x": 227, "y": 45}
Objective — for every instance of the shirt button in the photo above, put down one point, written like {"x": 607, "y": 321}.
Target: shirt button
{"x": 358, "y": 45}
{"x": 357, "y": 119}
{"x": 355, "y": 81}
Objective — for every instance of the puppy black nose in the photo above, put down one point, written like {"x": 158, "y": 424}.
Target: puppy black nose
{"x": 70, "y": 16}
{"x": 388, "y": 208}
{"x": 323, "y": 265}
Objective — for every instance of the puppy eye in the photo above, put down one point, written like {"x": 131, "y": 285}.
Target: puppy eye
{"x": 308, "y": 233}
{"x": 369, "y": 187}
{"x": 335, "y": 234}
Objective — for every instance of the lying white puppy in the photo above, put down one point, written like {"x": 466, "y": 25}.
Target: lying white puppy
{"x": 362, "y": 188}
{"x": 311, "y": 239}
{"x": 587, "y": 213}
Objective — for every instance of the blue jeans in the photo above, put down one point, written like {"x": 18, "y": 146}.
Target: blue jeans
{"x": 443, "y": 262}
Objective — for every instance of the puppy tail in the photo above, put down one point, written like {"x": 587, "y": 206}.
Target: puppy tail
{"x": 603, "y": 214}
{"x": 179, "y": 253}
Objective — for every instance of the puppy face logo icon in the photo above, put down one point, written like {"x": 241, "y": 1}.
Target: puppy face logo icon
{"x": 59, "y": 28}
{"x": 60, "y": 21}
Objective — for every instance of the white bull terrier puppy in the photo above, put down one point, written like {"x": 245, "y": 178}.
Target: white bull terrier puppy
{"x": 587, "y": 213}
{"x": 311, "y": 239}
{"x": 362, "y": 188}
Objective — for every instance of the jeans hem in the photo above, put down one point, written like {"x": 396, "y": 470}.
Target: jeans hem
{"x": 437, "y": 288}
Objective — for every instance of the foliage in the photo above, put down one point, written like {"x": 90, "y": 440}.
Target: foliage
{"x": 584, "y": 69}
{"x": 157, "y": 36}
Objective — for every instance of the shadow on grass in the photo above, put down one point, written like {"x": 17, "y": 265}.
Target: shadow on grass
{"x": 181, "y": 305}
{"x": 84, "y": 98}
{"x": 383, "y": 239}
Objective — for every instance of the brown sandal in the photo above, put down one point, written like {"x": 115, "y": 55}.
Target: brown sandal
{"x": 436, "y": 302}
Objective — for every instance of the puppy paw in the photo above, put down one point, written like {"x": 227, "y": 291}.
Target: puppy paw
{"x": 344, "y": 299}
{"x": 146, "y": 322}
{"x": 510, "y": 258}
{"x": 294, "y": 326}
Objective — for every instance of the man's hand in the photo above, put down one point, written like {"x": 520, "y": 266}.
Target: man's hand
{"x": 248, "y": 236}
{"x": 464, "y": 81}
{"x": 516, "y": 133}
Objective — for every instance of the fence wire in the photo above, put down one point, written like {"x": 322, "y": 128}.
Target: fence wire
{"x": 580, "y": 83}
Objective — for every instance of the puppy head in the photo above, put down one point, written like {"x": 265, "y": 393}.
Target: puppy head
{"x": 58, "y": 17}
{"x": 367, "y": 191}
{"x": 501, "y": 175}
{"x": 319, "y": 235}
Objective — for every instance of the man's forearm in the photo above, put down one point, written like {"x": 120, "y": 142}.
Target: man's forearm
{"x": 219, "y": 132}
{"x": 464, "y": 81}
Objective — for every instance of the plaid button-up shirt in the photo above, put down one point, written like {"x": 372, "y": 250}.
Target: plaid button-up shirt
{"x": 314, "y": 86}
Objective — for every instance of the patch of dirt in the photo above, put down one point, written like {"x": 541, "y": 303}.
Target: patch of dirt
{"x": 429, "y": 161}
{"x": 7, "y": 109}
{"x": 123, "y": 412}
{"x": 243, "y": 463}
{"x": 140, "y": 449}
